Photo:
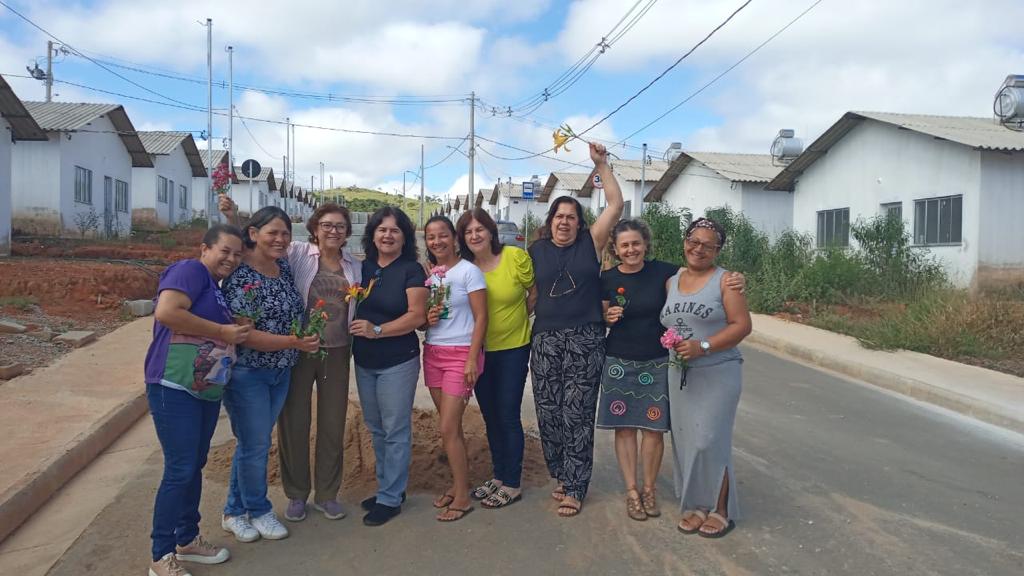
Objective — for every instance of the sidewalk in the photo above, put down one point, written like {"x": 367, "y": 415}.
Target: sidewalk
{"x": 57, "y": 419}
{"x": 980, "y": 393}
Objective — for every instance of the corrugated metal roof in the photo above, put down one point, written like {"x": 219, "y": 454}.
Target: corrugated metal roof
{"x": 164, "y": 143}
{"x": 732, "y": 167}
{"x": 630, "y": 171}
{"x": 568, "y": 180}
{"x": 12, "y": 109}
{"x": 72, "y": 116}
{"x": 978, "y": 133}
{"x": 266, "y": 175}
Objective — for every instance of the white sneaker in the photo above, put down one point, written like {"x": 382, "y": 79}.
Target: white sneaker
{"x": 240, "y": 527}
{"x": 270, "y": 527}
{"x": 201, "y": 552}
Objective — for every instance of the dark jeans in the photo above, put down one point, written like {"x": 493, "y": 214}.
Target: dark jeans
{"x": 184, "y": 424}
{"x": 499, "y": 391}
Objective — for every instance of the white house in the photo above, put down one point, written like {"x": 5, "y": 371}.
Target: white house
{"x": 635, "y": 179}
{"x": 78, "y": 181}
{"x": 201, "y": 194}
{"x": 957, "y": 183}
{"x": 512, "y": 207}
{"x": 162, "y": 195}
{"x": 16, "y": 125}
{"x": 696, "y": 181}
{"x": 253, "y": 194}
{"x": 564, "y": 184}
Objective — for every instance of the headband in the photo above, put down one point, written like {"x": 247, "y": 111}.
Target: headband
{"x": 708, "y": 224}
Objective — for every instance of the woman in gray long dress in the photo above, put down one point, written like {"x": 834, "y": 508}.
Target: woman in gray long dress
{"x": 705, "y": 382}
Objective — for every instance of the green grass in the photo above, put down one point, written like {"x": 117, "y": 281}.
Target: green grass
{"x": 354, "y": 195}
{"x": 23, "y": 303}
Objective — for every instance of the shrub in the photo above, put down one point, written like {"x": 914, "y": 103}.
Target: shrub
{"x": 666, "y": 226}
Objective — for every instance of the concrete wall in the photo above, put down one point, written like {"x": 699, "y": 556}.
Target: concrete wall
{"x": 1000, "y": 233}
{"x": 5, "y": 188}
{"x": 769, "y": 211}
{"x": 698, "y": 188}
{"x": 875, "y": 164}
{"x": 44, "y": 180}
{"x": 240, "y": 194}
{"x": 147, "y": 209}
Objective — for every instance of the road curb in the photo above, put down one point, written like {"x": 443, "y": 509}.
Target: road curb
{"x": 22, "y": 500}
{"x": 911, "y": 387}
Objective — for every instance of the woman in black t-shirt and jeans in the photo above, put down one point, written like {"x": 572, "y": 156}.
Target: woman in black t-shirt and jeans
{"x": 568, "y": 335}
{"x": 387, "y": 352}
{"x": 634, "y": 382}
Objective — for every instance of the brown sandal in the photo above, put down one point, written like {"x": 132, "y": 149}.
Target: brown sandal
{"x": 569, "y": 507}
{"x": 650, "y": 501}
{"x": 687, "y": 516}
{"x": 558, "y": 493}
{"x": 634, "y": 508}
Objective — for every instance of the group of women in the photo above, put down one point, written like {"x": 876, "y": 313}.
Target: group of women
{"x": 232, "y": 325}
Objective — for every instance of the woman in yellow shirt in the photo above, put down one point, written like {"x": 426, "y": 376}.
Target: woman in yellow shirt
{"x": 511, "y": 294}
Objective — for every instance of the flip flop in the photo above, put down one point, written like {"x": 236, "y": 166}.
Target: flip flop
{"x": 729, "y": 525}
{"x": 443, "y": 500}
{"x": 463, "y": 512}
{"x": 689, "y": 514}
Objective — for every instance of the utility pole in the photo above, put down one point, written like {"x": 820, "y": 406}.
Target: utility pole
{"x": 472, "y": 140}
{"x": 209, "y": 122}
{"x": 322, "y": 188}
{"x": 288, "y": 148}
{"x": 231, "y": 107}
{"x": 332, "y": 181}
{"x": 639, "y": 201}
{"x": 291, "y": 159}
{"x": 49, "y": 70}
{"x": 421, "y": 186}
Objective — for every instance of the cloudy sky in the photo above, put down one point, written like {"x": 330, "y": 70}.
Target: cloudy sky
{"x": 919, "y": 56}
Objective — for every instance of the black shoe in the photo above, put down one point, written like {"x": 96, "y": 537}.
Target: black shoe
{"x": 381, "y": 514}
{"x": 370, "y": 502}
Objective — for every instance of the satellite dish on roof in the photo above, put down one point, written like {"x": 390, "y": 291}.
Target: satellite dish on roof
{"x": 786, "y": 147}
{"x": 1009, "y": 102}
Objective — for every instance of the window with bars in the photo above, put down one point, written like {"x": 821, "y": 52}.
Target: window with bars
{"x": 161, "y": 189}
{"x": 893, "y": 210}
{"x": 834, "y": 228}
{"x": 182, "y": 197}
{"x": 938, "y": 221}
{"x": 83, "y": 185}
{"x": 121, "y": 196}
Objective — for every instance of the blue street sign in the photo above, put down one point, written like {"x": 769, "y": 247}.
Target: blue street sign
{"x": 527, "y": 190}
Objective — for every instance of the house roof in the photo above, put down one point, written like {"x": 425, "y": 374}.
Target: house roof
{"x": 630, "y": 171}
{"x": 568, "y": 180}
{"x": 480, "y": 195}
{"x": 513, "y": 190}
{"x": 163, "y": 143}
{"x": 266, "y": 175}
{"x": 12, "y": 109}
{"x": 72, "y": 116}
{"x": 977, "y": 133}
{"x": 732, "y": 167}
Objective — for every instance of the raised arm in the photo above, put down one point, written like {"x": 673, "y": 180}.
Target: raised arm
{"x": 602, "y": 228}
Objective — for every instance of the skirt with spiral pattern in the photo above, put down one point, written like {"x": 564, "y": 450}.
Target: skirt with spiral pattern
{"x": 634, "y": 394}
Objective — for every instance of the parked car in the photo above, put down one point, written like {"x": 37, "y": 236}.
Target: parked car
{"x": 509, "y": 235}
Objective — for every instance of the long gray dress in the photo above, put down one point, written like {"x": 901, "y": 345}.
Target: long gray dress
{"x": 703, "y": 411}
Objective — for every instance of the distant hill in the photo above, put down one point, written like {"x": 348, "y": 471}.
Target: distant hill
{"x": 366, "y": 200}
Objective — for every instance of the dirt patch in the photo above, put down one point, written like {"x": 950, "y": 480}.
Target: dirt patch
{"x": 429, "y": 470}
{"x": 77, "y": 290}
{"x": 165, "y": 246}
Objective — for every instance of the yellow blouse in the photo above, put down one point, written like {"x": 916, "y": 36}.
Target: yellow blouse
{"x": 508, "y": 324}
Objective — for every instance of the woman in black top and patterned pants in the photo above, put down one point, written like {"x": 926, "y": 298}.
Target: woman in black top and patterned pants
{"x": 568, "y": 335}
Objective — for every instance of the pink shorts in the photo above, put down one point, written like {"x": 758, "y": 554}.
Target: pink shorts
{"x": 443, "y": 367}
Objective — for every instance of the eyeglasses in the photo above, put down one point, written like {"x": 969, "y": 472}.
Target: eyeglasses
{"x": 327, "y": 227}
{"x": 704, "y": 245}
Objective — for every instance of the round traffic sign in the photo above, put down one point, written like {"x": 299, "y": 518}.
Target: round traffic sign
{"x": 251, "y": 168}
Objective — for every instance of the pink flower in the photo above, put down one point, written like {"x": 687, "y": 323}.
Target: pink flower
{"x": 430, "y": 282}
{"x": 439, "y": 271}
{"x": 670, "y": 338}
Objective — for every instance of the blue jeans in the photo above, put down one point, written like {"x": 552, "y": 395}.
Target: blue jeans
{"x": 184, "y": 424}
{"x": 386, "y": 395}
{"x": 253, "y": 399}
{"x": 499, "y": 391}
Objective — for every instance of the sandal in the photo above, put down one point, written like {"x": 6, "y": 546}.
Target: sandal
{"x": 485, "y": 490}
{"x": 688, "y": 515}
{"x": 558, "y": 493}
{"x": 461, "y": 513}
{"x": 569, "y": 507}
{"x": 443, "y": 500}
{"x": 634, "y": 508}
{"x": 725, "y": 526}
{"x": 500, "y": 499}
{"x": 650, "y": 501}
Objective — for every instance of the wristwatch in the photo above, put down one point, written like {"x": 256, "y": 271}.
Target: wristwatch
{"x": 705, "y": 346}
{"x": 377, "y": 330}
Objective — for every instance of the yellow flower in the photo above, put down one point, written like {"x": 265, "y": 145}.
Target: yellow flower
{"x": 561, "y": 138}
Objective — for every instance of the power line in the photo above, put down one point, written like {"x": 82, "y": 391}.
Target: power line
{"x": 649, "y": 84}
{"x": 450, "y": 154}
{"x": 254, "y": 140}
{"x": 724, "y": 72}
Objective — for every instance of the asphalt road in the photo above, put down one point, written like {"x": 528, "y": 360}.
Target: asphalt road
{"x": 835, "y": 477}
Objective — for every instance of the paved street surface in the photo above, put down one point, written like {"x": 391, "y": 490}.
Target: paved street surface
{"x": 835, "y": 478}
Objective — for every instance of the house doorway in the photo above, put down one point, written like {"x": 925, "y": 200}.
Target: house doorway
{"x": 108, "y": 207}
